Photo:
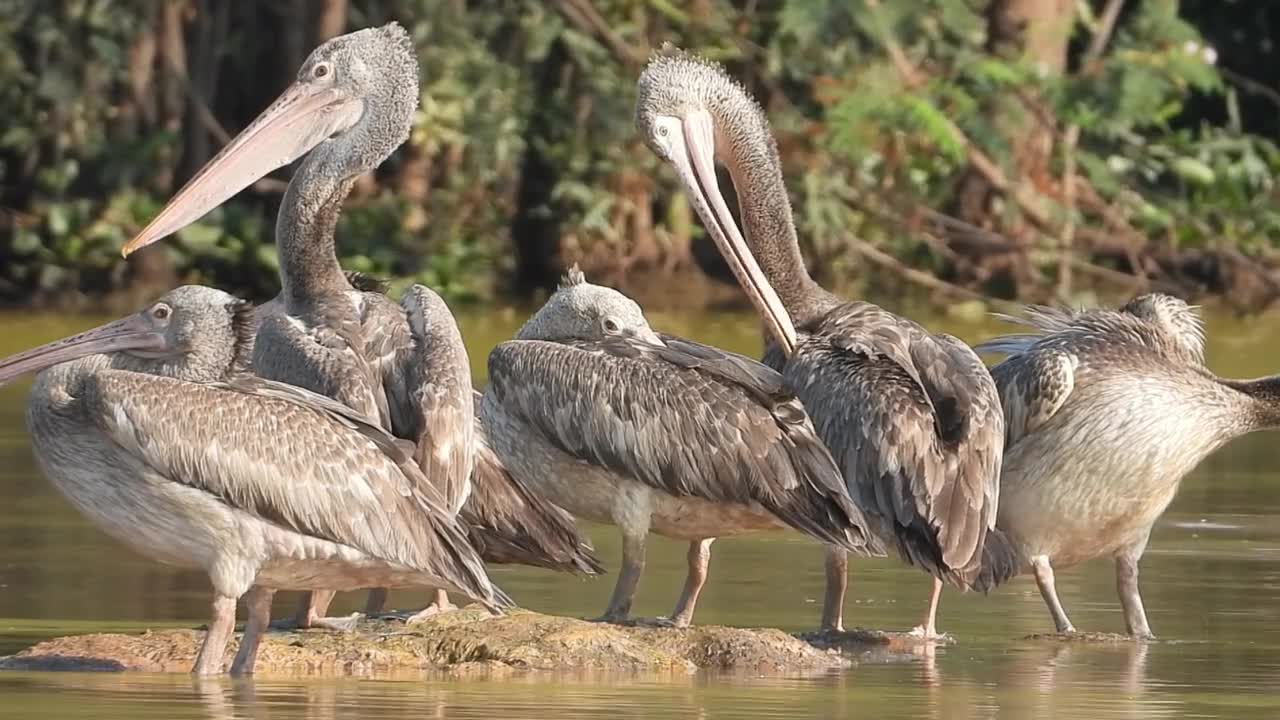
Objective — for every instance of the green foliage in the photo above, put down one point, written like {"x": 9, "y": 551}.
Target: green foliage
{"x": 526, "y": 120}
{"x": 904, "y": 139}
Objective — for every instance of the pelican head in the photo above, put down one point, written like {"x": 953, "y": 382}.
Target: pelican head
{"x": 691, "y": 114}
{"x": 1173, "y": 315}
{"x": 352, "y": 104}
{"x": 192, "y": 333}
{"x": 581, "y": 311}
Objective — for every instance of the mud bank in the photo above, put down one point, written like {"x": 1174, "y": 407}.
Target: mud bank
{"x": 469, "y": 642}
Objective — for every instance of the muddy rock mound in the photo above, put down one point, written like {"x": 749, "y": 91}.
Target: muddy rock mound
{"x": 467, "y": 641}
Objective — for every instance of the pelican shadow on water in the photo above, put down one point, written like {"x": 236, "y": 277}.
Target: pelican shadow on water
{"x": 1106, "y": 411}
{"x": 153, "y": 430}
{"x": 652, "y": 433}
{"x": 401, "y": 365}
{"x": 911, "y": 417}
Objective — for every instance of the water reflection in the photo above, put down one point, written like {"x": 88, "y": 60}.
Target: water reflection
{"x": 1027, "y": 679}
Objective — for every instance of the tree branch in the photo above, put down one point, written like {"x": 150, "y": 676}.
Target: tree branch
{"x": 924, "y": 279}
{"x": 1066, "y": 240}
{"x": 583, "y": 15}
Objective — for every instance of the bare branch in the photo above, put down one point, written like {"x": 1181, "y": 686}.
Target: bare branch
{"x": 584, "y": 16}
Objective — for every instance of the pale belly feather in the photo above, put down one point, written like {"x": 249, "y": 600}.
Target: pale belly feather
{"x": 1098, "y": 475}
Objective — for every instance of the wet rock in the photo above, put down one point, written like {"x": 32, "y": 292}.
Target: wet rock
{"x": 875, "y": 646}
{"x": 1083, "y": 637}
{"x": 465, "y": 642}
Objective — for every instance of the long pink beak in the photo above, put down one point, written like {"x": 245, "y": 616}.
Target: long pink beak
{"x": 300, "y": 119}
{"x": 131, "y": 333}
{"x": 697, "y": 172}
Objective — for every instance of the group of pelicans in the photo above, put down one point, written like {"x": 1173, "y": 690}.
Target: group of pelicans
{"x": 331, "y": 439}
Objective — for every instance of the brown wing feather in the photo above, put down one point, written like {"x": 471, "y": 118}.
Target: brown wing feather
{"x": 508, "y": 523}
{"x": 321, "y": 360}
{"x": 686, "y": 419}
{"x": 914, "y": 422}
{"x": 433, "y": 374}
{"x": 306, "y": 463}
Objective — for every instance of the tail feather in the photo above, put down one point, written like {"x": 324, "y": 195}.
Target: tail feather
{"x": 510, "y": 524}
{"x": 996, "y": 562}
{"x": 1001, "y": 562}
{"x": 1008, "y": 344}
{"x": 460, "y": 564}
{"x": 822, "y": 508}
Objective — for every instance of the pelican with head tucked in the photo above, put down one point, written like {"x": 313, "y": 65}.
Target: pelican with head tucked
{"x": 912, "y": 417}
{"x": 1106, "y": 411}
{"x": 151, "y": 428}
{"x": 621, "y": 425}
{"x": 403, "y": 365}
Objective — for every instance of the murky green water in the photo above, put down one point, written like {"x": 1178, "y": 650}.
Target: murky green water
{"x": 1211, "y": 580}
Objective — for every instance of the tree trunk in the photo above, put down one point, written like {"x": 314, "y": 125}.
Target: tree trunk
{"x": 332, "y": 19}
{"x": 535, "y": 231}
{"x": 173, "y": 53}
{"x": 1035, "y": 32}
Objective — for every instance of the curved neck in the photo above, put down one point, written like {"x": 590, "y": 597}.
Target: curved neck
{"x": 305, "y": 228}
{"x": 1261, "y": 408}
{"x": 767, "y": 223}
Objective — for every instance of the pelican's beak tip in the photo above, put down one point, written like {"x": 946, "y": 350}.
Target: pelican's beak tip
{"x": 130, "y": 248}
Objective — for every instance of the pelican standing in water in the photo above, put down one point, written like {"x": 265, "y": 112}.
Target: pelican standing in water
{"x": 404, "y": 365}
{"x": 621, "y": 425}
{"x": 151, "y": 428}
{"x": 912, "y": 417}
{"x": 1106, "y": 411}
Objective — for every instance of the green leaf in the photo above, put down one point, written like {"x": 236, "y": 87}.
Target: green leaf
{"x": 1193, "y": 171}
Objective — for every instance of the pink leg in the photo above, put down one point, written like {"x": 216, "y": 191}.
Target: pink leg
{"x": 222, "y": 624}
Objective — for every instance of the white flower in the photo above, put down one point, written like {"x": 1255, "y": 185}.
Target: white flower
{"x": 1191, "y": 47}
{"x": 1210, "y": 55}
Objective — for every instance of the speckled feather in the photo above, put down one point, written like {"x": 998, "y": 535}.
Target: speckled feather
{"x": 1039, "y": 375}
{"x": 911, "y": 417}
{"x": 919, "y": 441}
{"x": 350, "y": 492}
{"x": 427, "y": 374}
{"x": 619, "y": 402}
{"x": 508, "y": 523}
{"x": 288, "y": 457}
{"x": 1108, "y": 410}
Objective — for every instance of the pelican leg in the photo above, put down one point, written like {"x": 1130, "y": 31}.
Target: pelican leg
{"x": 223, "y": 623}
{"x": 1044, "y": 580}
{"x": 258, "y": 602}
{"x": 699, "y": 558}
{"x": 633, "y": 556}
{"x": 837, "y": 584}
{"x": 1135, "y": 615}
{"x": 377, "y": 601}
{"x": 928, "y": 630}
{"x": 312, "y": 609}
{"x": 440, "y": 605}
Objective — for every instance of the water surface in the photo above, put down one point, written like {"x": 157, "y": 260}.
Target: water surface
{"x": 1211, "y": 581}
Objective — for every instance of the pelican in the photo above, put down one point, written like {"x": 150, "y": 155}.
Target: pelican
{"x": 621, "y": 425}
{"x": 151, "y": 428}
{"x": 404, "y": 365}
{"x": 912, "y": 418}
{"x": 1106, "y": 411}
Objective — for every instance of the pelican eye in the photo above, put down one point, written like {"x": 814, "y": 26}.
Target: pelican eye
{"x": 320, "y": 71}
{"x": 610, "y": 325}
{"x": 161, "y": 312}
{"x": 662, "y": 130}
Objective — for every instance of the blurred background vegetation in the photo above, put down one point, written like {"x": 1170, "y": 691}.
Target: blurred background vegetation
{"x": 955, "y": 149}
